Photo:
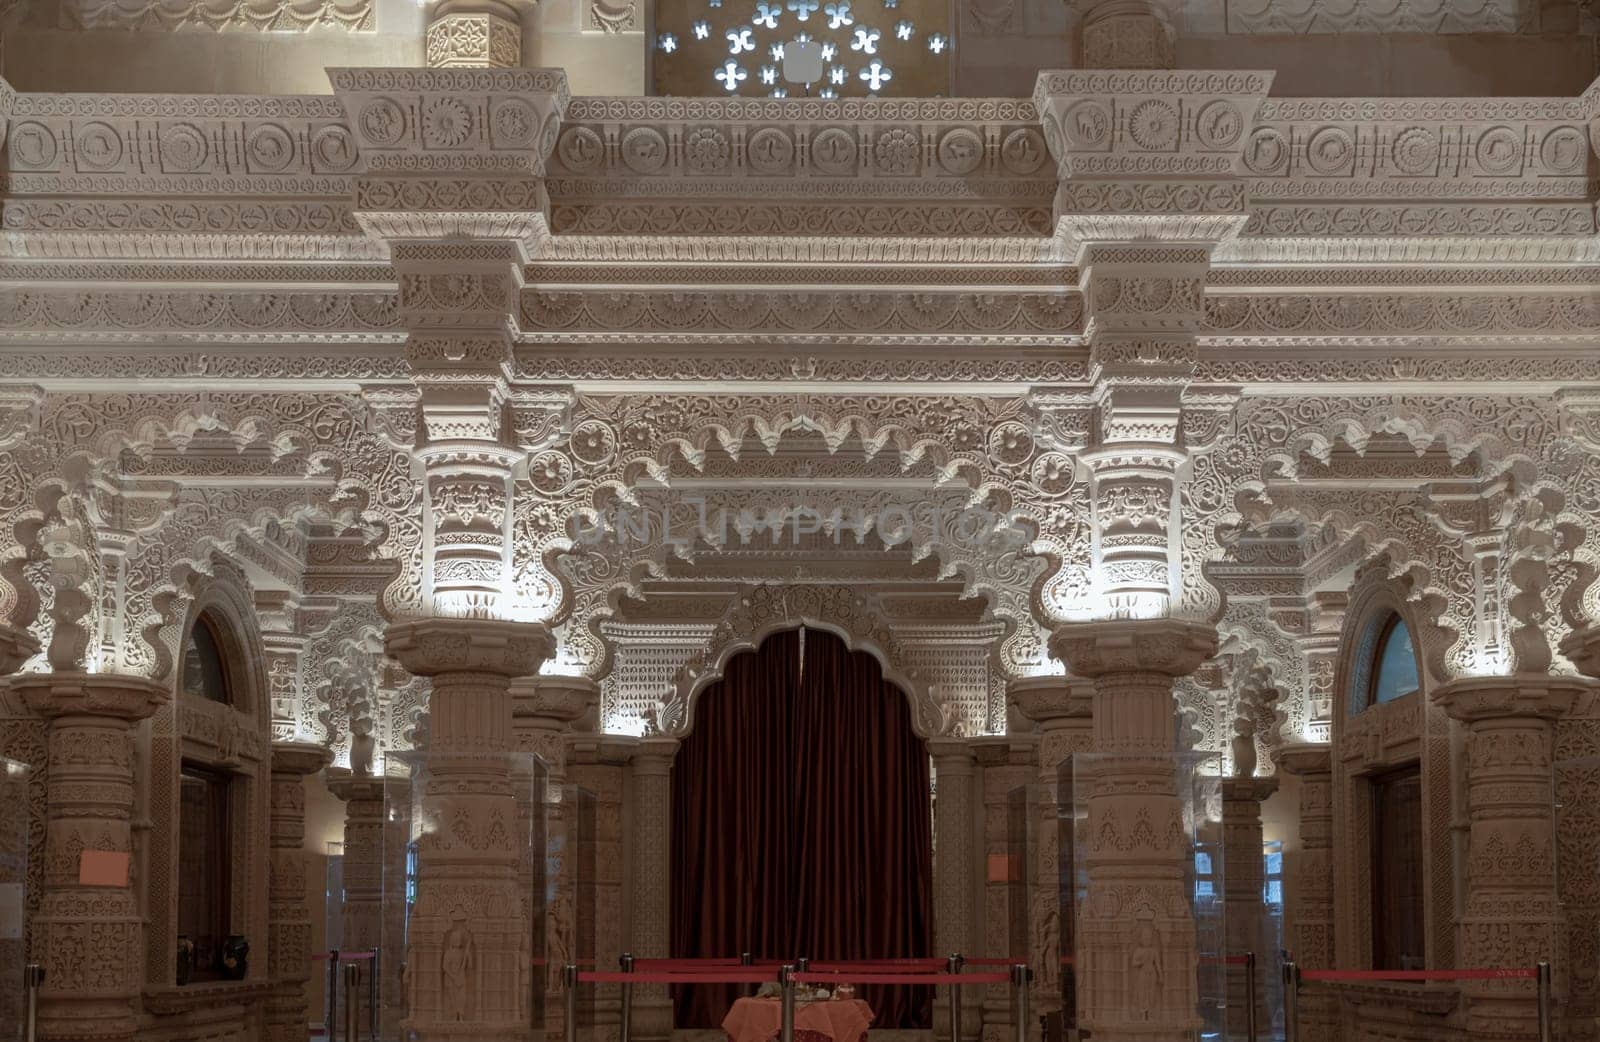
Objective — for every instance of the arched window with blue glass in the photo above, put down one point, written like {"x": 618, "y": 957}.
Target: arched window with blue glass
{"x": 1386, "y": 664}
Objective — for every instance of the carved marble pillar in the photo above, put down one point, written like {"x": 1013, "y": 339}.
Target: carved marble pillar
{"x": 467, "y": 957}
{"x": 1010, "y": 772}
{"x": 954, "y": 861}
{"x": 596, "y": 852}
{"x": 288, "y": 915}
{"x": 361, "y": 925}
{"x": 543, "y": 711}
{"x": 1310, "y": 884}
{"x": 1512, "y": 914}
{"x": 1126, "y": 34}
{"x": 1242, "y": 890}
{"x": 1063, "y": 708}
{"x": 1137, "y": 949}
{"x": 651, "y": 897}
{"x": 465, "y": 34}
{"x": 89, "y": 937}
{"x": 1320, "y": 644}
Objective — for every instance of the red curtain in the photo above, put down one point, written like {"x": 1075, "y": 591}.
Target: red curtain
{"x": 801, "y": 823}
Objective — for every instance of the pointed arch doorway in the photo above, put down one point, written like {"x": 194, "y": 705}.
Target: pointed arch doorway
{"x": 801, "y": 822}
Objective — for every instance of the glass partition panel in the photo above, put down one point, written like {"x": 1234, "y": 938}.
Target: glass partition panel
{"x": 404, "y": 778}
{"x": 1019, "y": 874}
{"x": 13, "y": 897}
{"x": 1197, "y": 783}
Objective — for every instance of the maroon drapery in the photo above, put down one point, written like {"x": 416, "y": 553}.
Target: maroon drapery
{"x": 801, "y": 822}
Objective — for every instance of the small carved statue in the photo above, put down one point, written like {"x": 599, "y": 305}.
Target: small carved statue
{"x": 455, "y": 969}
{"x": 362, "y": 745}
{"x": 1244, "y": 748}
{"x": 1144, "y": 964}
{"x": 1046, "y": 942}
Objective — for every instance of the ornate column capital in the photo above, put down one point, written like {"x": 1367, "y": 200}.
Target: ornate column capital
{"x": 1582, "y": 648}
{"x": 16, "y": 647}
{"x": 1534, "y": 695}
{"x": 955, "y": 755}
{"x": 1179, "y": 134}
{"x": 55, "y": 695}
{"x": 299, "y": 758}
{"x": 1046, "y": 699}
{"x": 1305, "y": 759}
{"x": 654, "y": 755}
{"x": 552, "y": 704}
{"x": 1169, "y": 647}
{"x": 431, "y": 647}
{"x": 1251, "y": 790}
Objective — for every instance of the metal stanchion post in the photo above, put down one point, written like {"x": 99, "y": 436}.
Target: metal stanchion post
{"x": 1543, "y": 977}
{"x": 625, "y": 1024}
{"x": 1250, "y": 995}
{"x": 1291, "y": 1001}
{"x": 746, "y": 959}
{"x": 1019, "y": 992}
{"x": 333, "y": 996}
{"x": 32, "y": 978}
{"x": 569, "y": 981}
{"x": 786, "y": 978}
{"x": 803, "y": 964}
{"x": 352, "y": 1011}
{"x": 952, "y": 964}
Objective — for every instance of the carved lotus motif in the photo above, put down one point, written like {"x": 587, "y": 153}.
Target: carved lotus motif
{"x": 446, "y": 123}
{"x": 1153, "y": 125}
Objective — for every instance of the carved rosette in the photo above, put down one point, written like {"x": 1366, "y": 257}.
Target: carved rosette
{"x": 489, "y": 38}
{"x": 467, "y": 952}
{"x": 1136, "y": 940}
{"x": 1512, "y": 914}
{"x": 90, "y": 939}
{"x": 288, "y": 915}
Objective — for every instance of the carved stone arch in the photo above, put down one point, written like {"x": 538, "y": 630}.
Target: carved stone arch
{"x": 225, "y": 597}
{"x": 924, "y": 708}
{"x": 80, "y": 445}
{"x": 980, "y": 446}
{"x": 765, "y": 609}
{"x": 1374, "y": 600}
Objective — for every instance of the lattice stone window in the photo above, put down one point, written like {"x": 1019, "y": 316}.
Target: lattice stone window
{"x": 870, "y": 48}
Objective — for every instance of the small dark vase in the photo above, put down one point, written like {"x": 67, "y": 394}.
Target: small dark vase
{"x": 235, "y": 957}
{"x": 185, "y": 959}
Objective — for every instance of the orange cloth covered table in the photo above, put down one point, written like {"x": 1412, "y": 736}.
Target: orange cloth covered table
{"x": 757, "y": 1020}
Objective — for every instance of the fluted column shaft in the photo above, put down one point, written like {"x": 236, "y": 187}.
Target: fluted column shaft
{"x": 288, "y": 915}
{"x": 1242, "y": 890}
{"x": 1512, "y": 914}
{"x": 543, "y": 711}
{"x": 1137, "y": 947}
{"x": 953, "y": 883}
{"x": 1063, "y": 709}
{"x": 89, "y": 938}
{"x": 466, "y": 958}
{"x": 362, "y": 920}
{"x": 651, "y": 898}
{"x": 1310, "y": 884}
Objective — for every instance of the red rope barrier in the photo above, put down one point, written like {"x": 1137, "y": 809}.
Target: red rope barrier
{"x": 725, "y": 975}
{"x": 1338, "y": 975}
{"x": 903, "y": 978}
{"x": 673, "y": 964}
{"x": 898, "y": 965}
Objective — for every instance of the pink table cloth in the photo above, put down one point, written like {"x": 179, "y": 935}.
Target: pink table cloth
{"x": 758, "y": 1020}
